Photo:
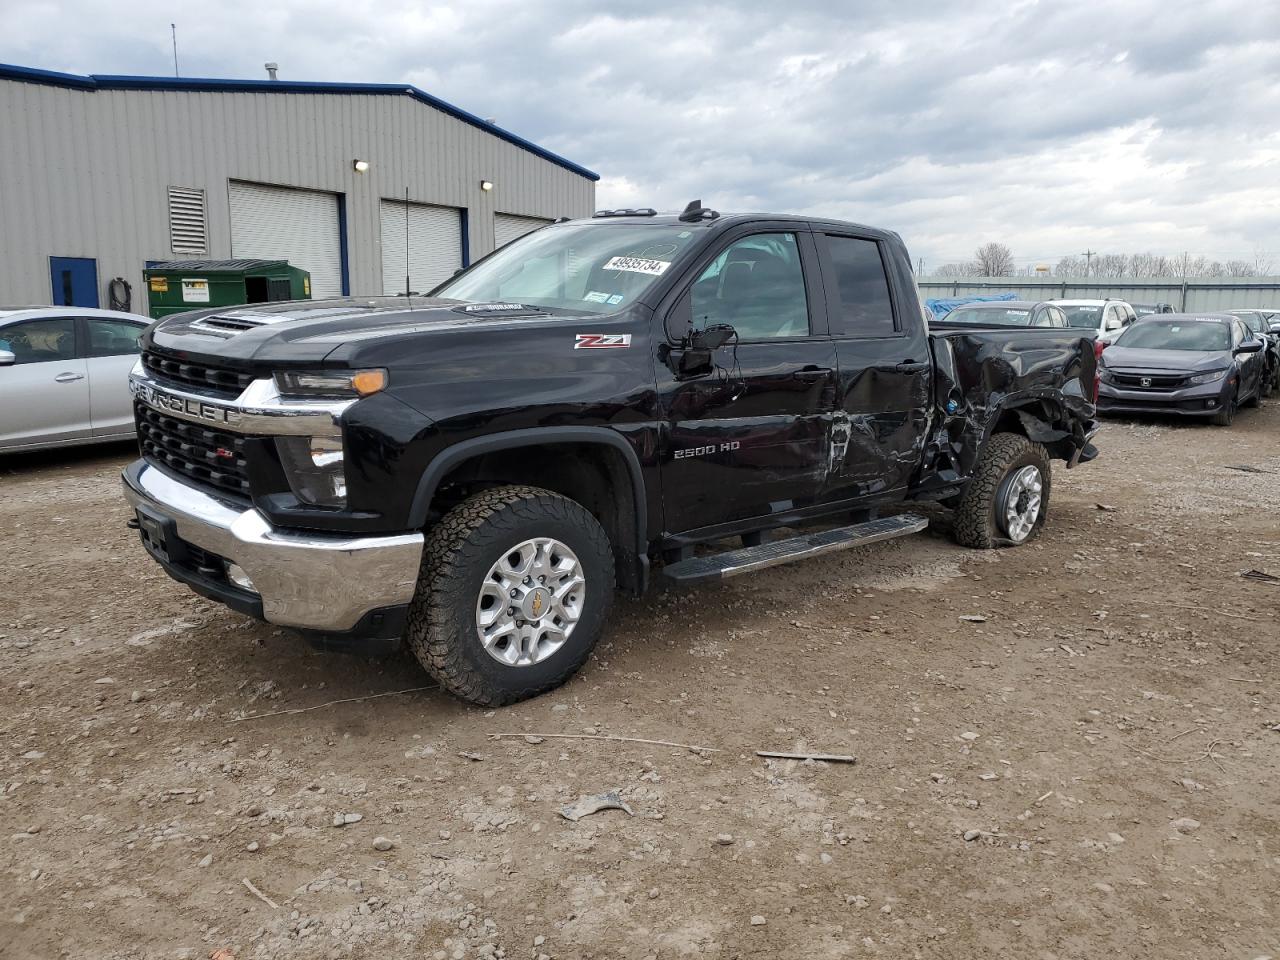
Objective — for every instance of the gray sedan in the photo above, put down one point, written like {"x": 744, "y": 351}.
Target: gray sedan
{"x": 64, "y": 376}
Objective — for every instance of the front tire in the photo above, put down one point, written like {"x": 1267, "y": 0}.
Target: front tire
{"x": 1007, "y": 500}
{"x": 1226, "y": 414}
{"x": 515, "y": 586}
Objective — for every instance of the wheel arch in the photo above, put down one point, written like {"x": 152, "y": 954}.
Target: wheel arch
{"x": 617, "y": 497}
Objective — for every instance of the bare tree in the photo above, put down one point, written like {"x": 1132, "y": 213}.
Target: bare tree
{"x": 1110, "y": 265}
{"x": 1148, "y": 265}
{"x": 1240, "y": 268}
{"x": 1069, "y": 267}
{"x": 994, "y": 260}
{"x": 951, "y": 270}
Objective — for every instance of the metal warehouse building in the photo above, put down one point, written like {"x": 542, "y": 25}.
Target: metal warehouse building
{"x": 102, "y": 175}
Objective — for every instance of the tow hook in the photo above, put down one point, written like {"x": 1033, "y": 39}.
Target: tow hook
{"x": 132, "y": 523}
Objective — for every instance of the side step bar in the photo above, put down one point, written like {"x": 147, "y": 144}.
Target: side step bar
{"x": 733, "y": 562}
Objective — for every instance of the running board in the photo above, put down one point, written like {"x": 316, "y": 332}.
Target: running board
{"x": 730, "y": 564}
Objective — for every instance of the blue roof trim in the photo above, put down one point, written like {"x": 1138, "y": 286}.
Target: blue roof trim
{"x": 201, "y": 84}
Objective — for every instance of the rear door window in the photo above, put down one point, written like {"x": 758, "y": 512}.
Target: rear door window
{"x": 858, "y": 288}
{"x": 113, "y": 338}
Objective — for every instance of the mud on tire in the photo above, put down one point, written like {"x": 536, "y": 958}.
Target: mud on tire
{"x": 977, "y": 523}
{"x": 459, "y": 553}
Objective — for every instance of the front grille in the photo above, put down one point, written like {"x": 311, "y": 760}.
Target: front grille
{"x": 221, "y": 380}
{"x": 213, "y": 458}
{"x": 1133, "y": 381}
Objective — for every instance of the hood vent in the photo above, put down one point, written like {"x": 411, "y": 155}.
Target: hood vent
{"x": 230, "y": 324}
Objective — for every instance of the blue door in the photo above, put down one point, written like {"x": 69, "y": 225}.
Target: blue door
{"x": 74, "y": 281}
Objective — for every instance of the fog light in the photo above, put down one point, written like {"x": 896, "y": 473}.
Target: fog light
{"x": 236, "y": 574}
{"x": 1211, "y": 403}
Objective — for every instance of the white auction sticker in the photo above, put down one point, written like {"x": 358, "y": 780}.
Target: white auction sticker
{"x": 195, "y": 291}
{"x": 655, "y": 268}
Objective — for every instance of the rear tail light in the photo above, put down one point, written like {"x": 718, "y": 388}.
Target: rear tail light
{"x": 1098, "y": 347}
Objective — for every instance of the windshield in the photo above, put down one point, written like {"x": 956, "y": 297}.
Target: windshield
{"x": 990, "y": 316}
{"x": 1252, "y": 321}
{"x": 1079, "y": 316}
{"x": 591, "y": 267}
{"x": 1209, "y": 335}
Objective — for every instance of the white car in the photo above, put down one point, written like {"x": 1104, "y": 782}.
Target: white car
{"x": 1107, "y": 318}
{"x": 64, "y": 376}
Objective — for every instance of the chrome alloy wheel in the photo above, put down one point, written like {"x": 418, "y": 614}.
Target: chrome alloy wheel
{"x": 1019, "y": 506}
{"x": 530, "y": 602}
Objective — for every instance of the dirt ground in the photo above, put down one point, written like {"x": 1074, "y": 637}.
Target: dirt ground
{"x": 1096, "y": 713}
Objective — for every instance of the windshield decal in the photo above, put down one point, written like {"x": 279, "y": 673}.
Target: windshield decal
{"x": 601, "y": 341}
{"x": 597, "y": 296}
{"x": 655, "y": 268}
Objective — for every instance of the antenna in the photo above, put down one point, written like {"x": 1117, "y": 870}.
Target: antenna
{"x": 406, "y": 241}
{"x": 173, "y": 30}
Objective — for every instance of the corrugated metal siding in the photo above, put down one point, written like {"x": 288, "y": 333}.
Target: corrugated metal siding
{"x": 434, "y": 251}
{"x": 301, "y": 226}
{"x": 85, "y": 174}
{"x": 1202, "y": 296}
{"x": 508, "y": 227}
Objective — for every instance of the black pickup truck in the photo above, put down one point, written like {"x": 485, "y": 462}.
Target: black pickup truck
{"x": 477, "y": 471}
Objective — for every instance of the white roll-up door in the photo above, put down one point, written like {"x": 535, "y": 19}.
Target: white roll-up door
{"x": 508, "y": 227}
{"x": 435, "y": 245}
{"x": 301, "y": 226}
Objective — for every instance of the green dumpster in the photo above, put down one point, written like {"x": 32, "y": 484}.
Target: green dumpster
{"x": 196, "y": 284}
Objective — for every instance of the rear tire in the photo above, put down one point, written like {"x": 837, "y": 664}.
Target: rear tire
{"x": 1005, "y": 479}
{"x": 475, "y": 561}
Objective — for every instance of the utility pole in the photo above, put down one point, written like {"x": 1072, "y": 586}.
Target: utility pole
{"x": 919, "y": 266}
{"x": 173, "y": 30}
{"x": 1088, "y": 255}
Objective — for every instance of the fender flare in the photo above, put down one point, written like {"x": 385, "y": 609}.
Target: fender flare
{"x": 460, "y": 452}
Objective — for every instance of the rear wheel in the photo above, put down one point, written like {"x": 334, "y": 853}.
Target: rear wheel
{"x": 515, "y": 586}
{"x": 1007, "y": 500}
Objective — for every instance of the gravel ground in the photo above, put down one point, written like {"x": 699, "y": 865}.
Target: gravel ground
{"x": 1066, "y": 750}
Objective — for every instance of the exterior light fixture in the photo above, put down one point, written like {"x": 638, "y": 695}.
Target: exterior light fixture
{"x": 486, "y": 185}
{"x": 360, "y": 166}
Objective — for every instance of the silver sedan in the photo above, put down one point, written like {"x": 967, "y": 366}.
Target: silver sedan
{"x": 64, "y": 376}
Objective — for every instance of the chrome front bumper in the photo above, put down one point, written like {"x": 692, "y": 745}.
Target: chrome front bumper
{"x": 312, "y": 581}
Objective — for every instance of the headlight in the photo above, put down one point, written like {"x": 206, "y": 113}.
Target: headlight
{"x": 1104, "y": 374}
{"x": 330, "y": 383}
{"x": 1210, "y": 377}
{"x": 314, "y": 466}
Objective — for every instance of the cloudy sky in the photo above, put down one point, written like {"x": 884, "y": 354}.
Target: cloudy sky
{"x": 1055, "y": 127}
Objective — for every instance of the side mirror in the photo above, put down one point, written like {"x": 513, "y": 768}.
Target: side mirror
{"x": 693, "y": 357}
{"x": 1249, "y": 346}
{"x": 713, "y": 337}
{"x": 7, "y": 359}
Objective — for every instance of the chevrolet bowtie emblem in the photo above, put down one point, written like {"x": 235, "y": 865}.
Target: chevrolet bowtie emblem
{"x": 536, "y": 609}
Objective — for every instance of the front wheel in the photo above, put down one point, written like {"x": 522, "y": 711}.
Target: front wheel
{"x": 1007, "y": 500}
{"x": 1226, "y": 413}
{"x": 515, "y": 586}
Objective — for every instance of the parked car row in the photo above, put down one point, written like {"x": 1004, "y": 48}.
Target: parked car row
{"x": 1152, "y": 360}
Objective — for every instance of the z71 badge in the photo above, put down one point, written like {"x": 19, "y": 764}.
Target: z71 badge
{"x": 601, "y": 341}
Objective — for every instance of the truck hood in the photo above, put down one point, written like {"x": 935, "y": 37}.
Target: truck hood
{"x": 334, "y": 332}
{"x": 1148, "y": 360}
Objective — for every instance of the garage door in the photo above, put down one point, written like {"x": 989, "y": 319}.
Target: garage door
{"x": 435, "y": 245}
{"x": 301, "y": 226}
{"x": 508, "y": 227}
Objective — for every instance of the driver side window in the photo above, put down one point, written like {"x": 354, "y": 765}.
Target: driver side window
{"x": 756, "y": 286}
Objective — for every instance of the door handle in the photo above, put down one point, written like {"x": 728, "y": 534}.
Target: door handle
{"x": 812, "y": 373}
{"x": 68, "y": 377}
{"x": 910, "y": 366}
